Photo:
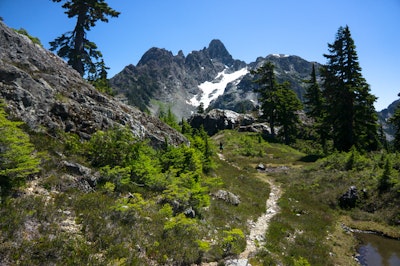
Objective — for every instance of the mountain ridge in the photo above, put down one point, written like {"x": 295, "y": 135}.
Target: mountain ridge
{"x": 162, "y": 80}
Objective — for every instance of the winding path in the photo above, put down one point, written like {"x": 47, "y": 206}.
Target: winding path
{"x": 258, "y": 229}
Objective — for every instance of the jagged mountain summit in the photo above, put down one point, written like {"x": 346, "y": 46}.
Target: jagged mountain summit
{"x": 210, "y": 76}
{"x": 40, "y": 88}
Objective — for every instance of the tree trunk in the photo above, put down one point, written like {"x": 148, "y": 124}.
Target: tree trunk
{"x": 79, "y": 51}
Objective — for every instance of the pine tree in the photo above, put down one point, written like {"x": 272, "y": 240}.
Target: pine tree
{"x": 350, "y": 110}
{"x": 74, "y": 45}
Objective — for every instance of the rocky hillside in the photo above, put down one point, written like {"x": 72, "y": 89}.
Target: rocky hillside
{"x": 43, "y": 91}
{"x": 210, "y": 76}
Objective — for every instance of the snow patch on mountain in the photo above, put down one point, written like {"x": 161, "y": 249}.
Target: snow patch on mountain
{"x": 210, "y": 90}
{"x": 280, "y": 55}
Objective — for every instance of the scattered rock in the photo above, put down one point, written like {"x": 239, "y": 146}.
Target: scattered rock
{"x": 189, "y": 213}
{"x": 86, "y": 177}
{"x": 237, "y": 262}
{"x": 227, "y": 196}
{"x": 260, "y": 167}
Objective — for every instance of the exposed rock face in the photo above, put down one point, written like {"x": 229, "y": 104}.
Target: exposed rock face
{"x": 217, "y": 119}
{"x": 384, "y": 117}
{"x": 47, "y": 94}
{"x": 181, "y": 83}
{"x": 172, "y": 80}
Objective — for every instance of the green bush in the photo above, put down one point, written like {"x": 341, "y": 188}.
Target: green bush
{"x": 17, "y": 155}
{"x": 233, "y": 242}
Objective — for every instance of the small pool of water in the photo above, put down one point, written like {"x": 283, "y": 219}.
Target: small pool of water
{"x": 376, "y": 250}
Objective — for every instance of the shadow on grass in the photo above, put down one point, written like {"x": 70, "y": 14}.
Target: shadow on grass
{"x": 310, "y": 158}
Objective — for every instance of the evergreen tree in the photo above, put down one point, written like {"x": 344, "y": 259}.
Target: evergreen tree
{"x": 265, "y": 78}
{"x": 288, "y": 105}
{"x": 17, "y": 157}
{"x": 313, "y": 97}
{"x": 200, "y": 108}
{"x": 315, "y": 107}
{"x": 350, "y": 110}
{"x": 279, "y": 103}
{"x": 98, "y": 77}
{"x": 74, "y": 45}
{"x": 395, "y": 121}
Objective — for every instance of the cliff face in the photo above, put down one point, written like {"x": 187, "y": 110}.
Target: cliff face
{"x": 42, "y": 90}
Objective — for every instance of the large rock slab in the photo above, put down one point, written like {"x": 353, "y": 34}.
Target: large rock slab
{"x": 48, "y": 95}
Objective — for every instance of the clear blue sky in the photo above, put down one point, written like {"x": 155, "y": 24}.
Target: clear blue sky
{"x": 249, "y": 29}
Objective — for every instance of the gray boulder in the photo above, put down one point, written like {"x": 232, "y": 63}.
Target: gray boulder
{"x": 227, "y": 196}
{"x": 218, "y": 119}
{"x": 85, "y": 178}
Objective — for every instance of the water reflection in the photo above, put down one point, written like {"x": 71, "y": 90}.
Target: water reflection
{"x": 376, "y": 250}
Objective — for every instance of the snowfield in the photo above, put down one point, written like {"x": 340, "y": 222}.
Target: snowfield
{"x": 210, "y": 90}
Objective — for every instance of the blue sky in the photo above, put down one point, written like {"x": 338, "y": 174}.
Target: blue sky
{"x": 249, "y": 29}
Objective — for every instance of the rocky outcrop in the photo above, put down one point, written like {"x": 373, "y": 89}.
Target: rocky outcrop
{"x": 217, "y": 120}
{"x": 48, "y": 95}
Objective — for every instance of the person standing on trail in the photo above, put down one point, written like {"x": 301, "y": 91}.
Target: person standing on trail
{"x": 221, "y": 147}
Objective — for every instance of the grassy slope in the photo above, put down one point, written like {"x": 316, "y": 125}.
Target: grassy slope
{"x": 308, "y": 228}
{"x": 56, "y": 222}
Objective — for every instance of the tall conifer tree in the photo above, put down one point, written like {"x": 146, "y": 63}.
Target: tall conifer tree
{"x": 265, "y": 78}
{"x": 74, "y": 45}
{"x": 287, "y": 107}
{"x": 315, "y": 107}
{"x": 279, "y": 103}
{"x": 395, "y": 121}
{"x": 350, "y": 109}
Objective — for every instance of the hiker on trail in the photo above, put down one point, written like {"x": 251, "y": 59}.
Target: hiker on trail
{"x": 221, "y": 147}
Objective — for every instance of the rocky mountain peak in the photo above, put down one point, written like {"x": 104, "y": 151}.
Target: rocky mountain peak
{"x": 48, "y": 95}
{"x": 216, "y": 50}
{"x": 156, "y": 56}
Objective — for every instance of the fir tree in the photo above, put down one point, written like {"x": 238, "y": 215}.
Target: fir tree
{"x": 265, "y": 78}
{"x": 313, "y": 97}
{"x": 315, "y": 107}
{"x": 288, "y": 105}
{"x": 350, "y": 110}
{"x": 279, "y": 103}
{"x": 395, "y": 121}
{"x": 74, "y": 45}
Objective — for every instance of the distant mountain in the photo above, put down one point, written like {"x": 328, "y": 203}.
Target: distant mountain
{"x": 209, "y": 76}
{"x": 384, "y": 116}
{"x": 239, "y": 96}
